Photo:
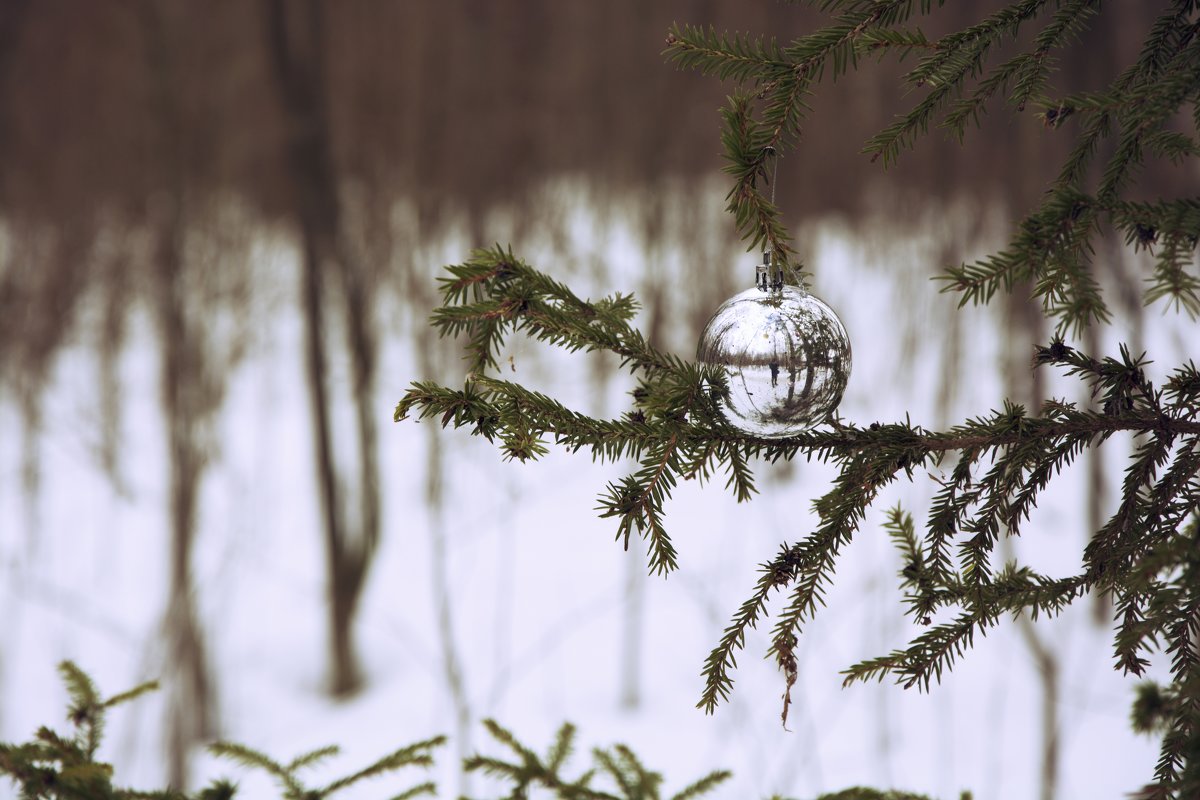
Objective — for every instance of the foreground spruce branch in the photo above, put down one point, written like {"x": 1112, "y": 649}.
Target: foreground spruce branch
{"x": 55, "y": 766}
{"x": 992, "y": 469}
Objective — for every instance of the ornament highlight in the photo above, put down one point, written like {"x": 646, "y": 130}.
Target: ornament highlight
{"x": 785, "y": 352}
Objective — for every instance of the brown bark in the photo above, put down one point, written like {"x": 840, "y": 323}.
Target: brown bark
{"x": 190, "y": 718}
{"x": 189, "y": 397}
{"x": 297, "y": 44}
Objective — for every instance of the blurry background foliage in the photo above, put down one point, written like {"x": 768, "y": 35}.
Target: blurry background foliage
{"x": 149, "y": 149}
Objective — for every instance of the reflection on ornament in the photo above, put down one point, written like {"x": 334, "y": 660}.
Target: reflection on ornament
{"x": 785, "y": 353}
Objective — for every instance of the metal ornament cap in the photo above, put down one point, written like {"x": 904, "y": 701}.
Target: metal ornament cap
{"x": 786, "y": 356}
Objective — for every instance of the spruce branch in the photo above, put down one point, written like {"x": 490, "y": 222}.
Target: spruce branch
{"x": 1163, "y": 41}
{"x": 781, "y": 79}
{"x": 725, "y": 56}
{"x": 427, "y": 788}
{"x": 991, "y": 470}
{"x": 312, "y": 758}
{"x": 249, "y": 757}
{"x": 723, "y": 659}
{"x": 678, "y": 432}
{"x": 1054, "y": 244}
{"x": 900, "y": 41}
{"x": 86, "y": 712}
{"x": 1022, "y": 453}
{"x": 864, "y": 793}
{"x": 630, "y": 779}
{"x": 561, "y": 749}
{"x": 702, "y": 786}
{"x": 55, "y": 766}
{"x": 131, "y": 694}
{"x": 963, "y": 56}
{"x": 493, "y": 294}
{"x": 418, "y": 754}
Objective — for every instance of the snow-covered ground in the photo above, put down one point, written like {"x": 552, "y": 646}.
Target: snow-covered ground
{"x": 540, "y": 588}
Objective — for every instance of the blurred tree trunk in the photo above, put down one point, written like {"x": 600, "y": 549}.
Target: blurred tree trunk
{"x": 297, "y": 44}
{"x": 184, "y": 386}
{"x": 30, "y": 384}
{"x": 190, "y": 394}
{"x": 12, "y": 15}
{"x": 1026, "y": 385}
{"x": 432, "y": 351}
{"x": 443, "y": 589}
{"x": 116, "y": 290}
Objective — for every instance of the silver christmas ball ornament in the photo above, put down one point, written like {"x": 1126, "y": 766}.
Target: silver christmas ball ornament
{"x": 786, "y": 356}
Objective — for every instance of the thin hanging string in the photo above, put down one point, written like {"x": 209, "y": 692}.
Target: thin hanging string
{"x": 775, "y": 280}
{"x": 770, "y": 274}
{"x": 774, "y": 171}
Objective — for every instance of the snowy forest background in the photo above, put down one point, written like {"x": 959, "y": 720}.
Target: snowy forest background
{"x": 194, "y": 488}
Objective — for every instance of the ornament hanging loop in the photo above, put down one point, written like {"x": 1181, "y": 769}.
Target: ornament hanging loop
{"x": 768, "y": 276}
